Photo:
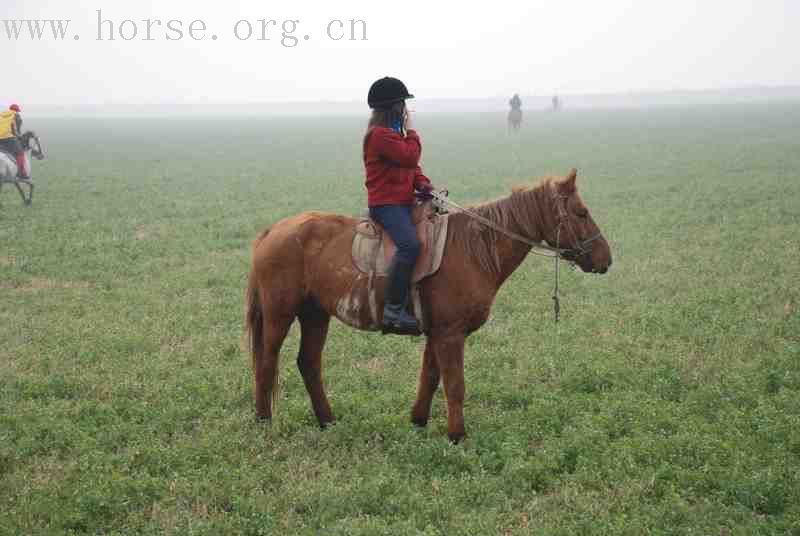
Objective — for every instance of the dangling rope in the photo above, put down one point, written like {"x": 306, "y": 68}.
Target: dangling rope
{"x": 556, "y": 299}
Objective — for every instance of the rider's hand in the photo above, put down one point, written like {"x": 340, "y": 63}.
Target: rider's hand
{"x": 423, "y": 192}
{"x": 407, "y": 125}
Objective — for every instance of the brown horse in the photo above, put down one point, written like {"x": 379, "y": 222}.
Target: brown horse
{"x": 302, "y": 268}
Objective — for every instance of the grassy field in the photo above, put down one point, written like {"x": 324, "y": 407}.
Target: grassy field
{"x": 666, "y": 401}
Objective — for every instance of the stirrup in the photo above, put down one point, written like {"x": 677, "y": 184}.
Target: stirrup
{"x": 399, "y": 325}
{"x": 394, "y": 329}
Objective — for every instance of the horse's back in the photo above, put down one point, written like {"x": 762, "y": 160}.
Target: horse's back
{"x": 302, "y": 236}
{"x": 306, "y": 226}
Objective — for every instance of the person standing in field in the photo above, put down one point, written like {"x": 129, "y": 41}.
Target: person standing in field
{"x": 391, "y": 153}
{"x": 515, "y": 102}
{"x": 10, "y": 131}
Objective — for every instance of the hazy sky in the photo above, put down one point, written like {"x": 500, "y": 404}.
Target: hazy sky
{"x": 441, "y": 49}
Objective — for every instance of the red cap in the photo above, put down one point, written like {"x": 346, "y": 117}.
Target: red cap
{"x": 15, "y": 107}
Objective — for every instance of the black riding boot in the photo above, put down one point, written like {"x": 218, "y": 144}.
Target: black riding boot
{"x": 395, "y": 318}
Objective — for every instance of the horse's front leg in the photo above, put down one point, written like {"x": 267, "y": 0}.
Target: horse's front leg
{"x": 426, "y": 388}
{"x": 21, "y": 192}
{"x": 26, "y": 199}
{"x": 449, "y": 353}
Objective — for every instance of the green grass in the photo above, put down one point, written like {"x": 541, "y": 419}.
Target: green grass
{"x": 666, "y": 401}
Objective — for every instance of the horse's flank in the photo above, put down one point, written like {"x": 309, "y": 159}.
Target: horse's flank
{"x": 8, "y": 168}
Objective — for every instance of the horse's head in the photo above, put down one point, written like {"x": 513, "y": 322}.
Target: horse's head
{"x": 574, "y": 229}
{"x": 30, "y": 142}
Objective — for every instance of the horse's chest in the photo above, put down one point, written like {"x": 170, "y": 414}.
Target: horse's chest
{"x": 477, "y": 317}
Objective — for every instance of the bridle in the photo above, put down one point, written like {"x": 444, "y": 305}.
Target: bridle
{"x": 581, "y": 246}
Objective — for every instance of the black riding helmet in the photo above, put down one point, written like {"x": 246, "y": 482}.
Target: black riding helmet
{"x": 387, "y": 91}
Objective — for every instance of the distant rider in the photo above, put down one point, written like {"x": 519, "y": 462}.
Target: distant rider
{"x": 391, "y": 159}
{"x": 10, "y": 132}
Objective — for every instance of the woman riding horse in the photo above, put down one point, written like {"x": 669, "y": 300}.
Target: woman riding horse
{"x": 302, "y": 268}
{"x": 391, "y": 159}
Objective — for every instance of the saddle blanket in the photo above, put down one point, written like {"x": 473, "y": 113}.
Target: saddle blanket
{"x": 373, "y": 250}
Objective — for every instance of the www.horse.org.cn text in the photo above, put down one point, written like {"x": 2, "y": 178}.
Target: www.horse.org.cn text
{"x": 286, "y": 32}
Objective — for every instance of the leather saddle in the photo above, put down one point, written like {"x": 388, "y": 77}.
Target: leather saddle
{"x": 373, "y": 249}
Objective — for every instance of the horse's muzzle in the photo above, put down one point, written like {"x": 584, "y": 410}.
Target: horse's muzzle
{"x": 602, "y": 269}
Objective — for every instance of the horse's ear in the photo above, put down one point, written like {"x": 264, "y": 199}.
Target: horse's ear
{"x": 567, "y": 186}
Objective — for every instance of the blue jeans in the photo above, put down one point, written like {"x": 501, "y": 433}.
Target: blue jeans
{"x": 396, "y": 220}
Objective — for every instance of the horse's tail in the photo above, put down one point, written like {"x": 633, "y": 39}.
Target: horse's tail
{"x": 254, "y": 321}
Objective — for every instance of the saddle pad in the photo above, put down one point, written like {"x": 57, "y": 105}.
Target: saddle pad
{"x": 373, "y": 249}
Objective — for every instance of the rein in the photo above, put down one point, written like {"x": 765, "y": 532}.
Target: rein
{"x": 538, "y": 248}
{"x": 570, "y": 255}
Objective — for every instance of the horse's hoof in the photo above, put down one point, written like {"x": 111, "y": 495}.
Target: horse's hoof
{"x": 457, "y": 438}
{"x": 325, "y": 424}
{"x": 420, "y": 423}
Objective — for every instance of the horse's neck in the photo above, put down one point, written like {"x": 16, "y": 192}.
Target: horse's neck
{"x": 521, "y": 213}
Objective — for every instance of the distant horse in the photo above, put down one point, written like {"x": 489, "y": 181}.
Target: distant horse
{"x": 8, "y": 166}
{"x": 302, "y": 268}
{"x": 514, "y": 119}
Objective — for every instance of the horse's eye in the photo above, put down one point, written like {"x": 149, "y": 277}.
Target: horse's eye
{"x": 583, "y": 213}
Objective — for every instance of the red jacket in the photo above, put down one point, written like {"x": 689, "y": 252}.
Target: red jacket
{"x": 392, "y": 166}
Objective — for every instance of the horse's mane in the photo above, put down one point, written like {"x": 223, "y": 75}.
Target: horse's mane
{"x": 522, "y": 211}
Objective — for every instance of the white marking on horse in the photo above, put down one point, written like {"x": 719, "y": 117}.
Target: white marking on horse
{"x": 373, "y": 301}
{"x": 348, "y": 308}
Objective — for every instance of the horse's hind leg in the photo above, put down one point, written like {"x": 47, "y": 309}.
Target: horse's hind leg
{"x": 313, "y": 333}
{"x": 265, "y": 368}
{"x": 426, "y": 388}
